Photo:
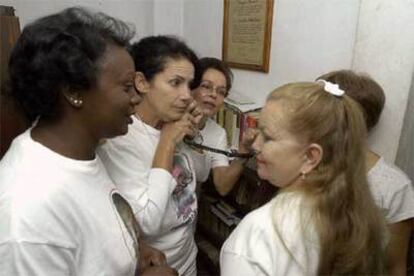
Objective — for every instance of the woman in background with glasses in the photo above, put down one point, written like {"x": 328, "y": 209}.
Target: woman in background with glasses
{"x": 214, "y": 80}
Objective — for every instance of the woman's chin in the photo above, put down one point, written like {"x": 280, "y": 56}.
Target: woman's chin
{"x": 262, "y": 173}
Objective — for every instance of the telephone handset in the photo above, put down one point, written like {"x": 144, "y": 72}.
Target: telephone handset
{"x": 230, "y": 153}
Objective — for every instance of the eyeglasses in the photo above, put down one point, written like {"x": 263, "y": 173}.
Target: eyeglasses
{"x": 209, "y": 87}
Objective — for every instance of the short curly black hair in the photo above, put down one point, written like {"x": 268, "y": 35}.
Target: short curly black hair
{"x": 212, "y": 63}
{"x": 151, "y": 53}
{"x": 60, "y": 52}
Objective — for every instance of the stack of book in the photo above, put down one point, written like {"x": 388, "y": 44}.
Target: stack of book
{"x": 238, "y": 113}
{"x": 217, "y": 218}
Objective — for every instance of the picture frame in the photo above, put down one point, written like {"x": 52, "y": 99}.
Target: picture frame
{"x": 247, "y": 32}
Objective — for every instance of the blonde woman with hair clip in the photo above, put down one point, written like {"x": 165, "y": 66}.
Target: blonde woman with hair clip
{"x": 391, "y": 188}
{"x": 324, "y": 220}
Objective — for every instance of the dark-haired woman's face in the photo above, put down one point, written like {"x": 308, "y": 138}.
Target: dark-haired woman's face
{"x": 108, "y": 106}
{"x": 211, "y": 92}
{"x": 169, "y": 93}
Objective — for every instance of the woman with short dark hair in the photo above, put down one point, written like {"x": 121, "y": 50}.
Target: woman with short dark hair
{"x": 150, "y": 165}
{"x": 60, "y": 213}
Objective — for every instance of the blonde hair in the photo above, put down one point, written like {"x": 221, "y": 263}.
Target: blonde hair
{"x": 350, "y": 228}
{"x": 363, "y": 89}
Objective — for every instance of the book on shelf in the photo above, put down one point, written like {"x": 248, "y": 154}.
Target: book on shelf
{"x": 216, "y": 222}
{"x": 235, "y": 123}
{"x": 228, "y": 220}
{"x": 211, "y": 252}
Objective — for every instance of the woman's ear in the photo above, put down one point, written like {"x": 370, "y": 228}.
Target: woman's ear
{"x": 313, "y": 157}
{"x": 141, "y": 83}
{"x": 73, "y": 98}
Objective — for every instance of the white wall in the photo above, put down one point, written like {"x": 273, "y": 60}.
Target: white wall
{"x": 385, "y": 49}
{"x": 308, "y": 38}
{"x": 313, "y": 37}
{"x": 137, "y": 12}
{"x": 203, "y": 21}
{"x": 168, "y": 17}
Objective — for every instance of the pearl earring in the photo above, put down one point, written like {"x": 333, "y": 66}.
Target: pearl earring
{"x": 76, "y": 102}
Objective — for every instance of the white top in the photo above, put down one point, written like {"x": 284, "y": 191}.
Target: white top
{"x": 214, "y": 136}
{"x": 255, "y": 247}
{"x": 164, "y": 209}
{"x": 392, "y": 191}
{"x": 57, "y": 215}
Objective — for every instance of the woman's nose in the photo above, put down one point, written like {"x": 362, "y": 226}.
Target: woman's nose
{"x": 257, "y": 144}
{"x": 213, "y": 93}
{"x": 186, "y": 94}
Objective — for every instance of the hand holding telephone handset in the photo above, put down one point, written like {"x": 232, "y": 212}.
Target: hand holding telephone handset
{"x": 196, "y": 140}
{"x": 175, "y": 131}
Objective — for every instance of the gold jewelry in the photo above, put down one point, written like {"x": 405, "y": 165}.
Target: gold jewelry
{"x": 303, "y": 175}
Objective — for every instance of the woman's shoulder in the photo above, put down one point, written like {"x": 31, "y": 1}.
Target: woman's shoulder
{"x": 258, "y": 218}
{"x": 213, "y": 128}
{"x": 254, "y": 229}
{"x": 264, "y": 235}
{"x": 263, "y": 218}
{"x": 387, "y": 176}
{"x": 392, "y": 191}
{"x": 138, "y": 143}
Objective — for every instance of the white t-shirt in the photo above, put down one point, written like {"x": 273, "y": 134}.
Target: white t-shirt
{"x": 392, "y": 191}
{"x": 213, "y": 136}
{"x": 58, "y": 217}
{"x": 164, "y": 204}
{"x": 255, "y": 247}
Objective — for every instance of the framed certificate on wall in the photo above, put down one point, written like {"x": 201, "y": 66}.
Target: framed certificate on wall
{"x": 247, "y": 32}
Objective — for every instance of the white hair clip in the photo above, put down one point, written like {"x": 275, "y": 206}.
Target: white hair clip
{"x": 332, "y": 88}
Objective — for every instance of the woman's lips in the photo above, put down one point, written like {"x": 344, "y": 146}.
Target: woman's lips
{"x": 181, "y": 109}
{"x": 260, "y": 161}
{"x": 209, "y": 105}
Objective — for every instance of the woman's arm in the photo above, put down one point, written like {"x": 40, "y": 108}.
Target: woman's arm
{"x": 226, "y": 177}
{"x": 397, "y": 250}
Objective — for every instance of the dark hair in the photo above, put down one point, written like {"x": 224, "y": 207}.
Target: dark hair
{"x": 151, "y": 53}
{"x": 363, "y": 89}
{"x": 61, "y": 51}
{"x": 212, "y": 63}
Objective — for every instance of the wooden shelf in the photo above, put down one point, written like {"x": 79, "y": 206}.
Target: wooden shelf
{"x": 208, "y": 255}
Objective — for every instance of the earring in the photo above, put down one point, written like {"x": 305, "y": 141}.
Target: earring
{"x": 303, "y": 175}
{"x": 76, "y": 102}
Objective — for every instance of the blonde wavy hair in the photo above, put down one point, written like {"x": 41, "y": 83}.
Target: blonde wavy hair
{"x": 350, "y": 228}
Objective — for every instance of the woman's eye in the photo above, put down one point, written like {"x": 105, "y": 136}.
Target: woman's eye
{"x": 266, "y": 137}
{"x": 175, "y": 82}
{"x": 222, "y": 92}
